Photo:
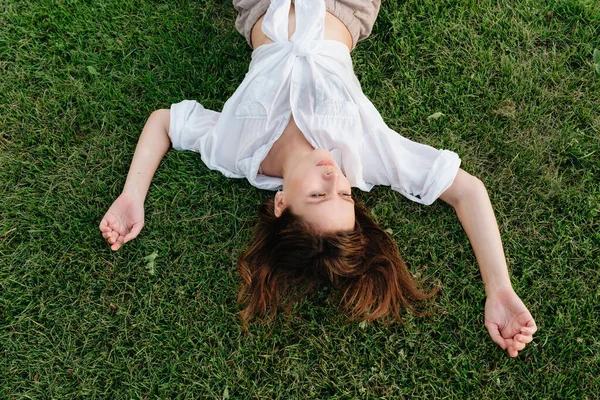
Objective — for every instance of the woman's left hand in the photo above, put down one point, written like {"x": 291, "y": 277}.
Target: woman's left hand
{"x": 508, "y": 321}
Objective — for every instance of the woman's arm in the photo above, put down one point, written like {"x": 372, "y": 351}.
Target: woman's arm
{"x": 468, "y": 196}
{"x": 150, "y": 150}
{"x": 508, "y": 321}
{"x": 125, "y": 218}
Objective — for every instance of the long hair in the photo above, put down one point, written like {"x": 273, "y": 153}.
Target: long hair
{"x": 363, "y": 266}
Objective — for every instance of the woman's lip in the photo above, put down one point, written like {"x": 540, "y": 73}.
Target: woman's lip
{"x": 326, "y": 162}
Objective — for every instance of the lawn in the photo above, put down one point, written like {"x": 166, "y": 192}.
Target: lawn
{"x": 517, "y": 85}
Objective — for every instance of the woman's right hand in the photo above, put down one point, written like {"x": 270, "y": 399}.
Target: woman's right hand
{"x": 508, "y": 321}
{"x": 123, "y": 221}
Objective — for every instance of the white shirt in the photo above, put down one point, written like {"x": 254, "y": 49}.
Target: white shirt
{"x": 312, "y": 80}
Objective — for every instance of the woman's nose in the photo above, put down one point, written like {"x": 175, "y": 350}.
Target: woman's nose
{"x": 330, "y": 173}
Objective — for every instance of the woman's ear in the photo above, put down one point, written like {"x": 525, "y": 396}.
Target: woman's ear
{"x": 279, "y": 204}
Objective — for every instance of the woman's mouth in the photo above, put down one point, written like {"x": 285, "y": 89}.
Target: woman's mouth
{"x": 326, "y": 163}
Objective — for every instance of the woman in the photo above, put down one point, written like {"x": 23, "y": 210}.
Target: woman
{"x": 299, "y": 121}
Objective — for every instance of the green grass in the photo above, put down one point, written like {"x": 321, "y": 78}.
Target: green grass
{"x": 517, "y": 85}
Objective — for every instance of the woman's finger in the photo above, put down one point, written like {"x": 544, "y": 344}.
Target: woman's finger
{"x": 113, "y": 237}
{"x": 518, "y": 346}
{"x": 495, "y": 334}
{"x": 524, "y": 338}
{"x": 530, "y": 328}
{"x": 135, "y": 230}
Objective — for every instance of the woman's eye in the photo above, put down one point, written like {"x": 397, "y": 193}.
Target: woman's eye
{"x": 346, "y": 194}
{"x": 318, "y": 194}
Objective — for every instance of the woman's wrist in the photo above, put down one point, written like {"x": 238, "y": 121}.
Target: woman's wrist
{"x": 498, "y": 286}
{"x": 134, "y": 194}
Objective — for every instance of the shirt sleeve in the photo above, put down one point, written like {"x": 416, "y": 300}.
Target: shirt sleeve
{"x": 190, "y": 123}
{"x": 418, "y": 171}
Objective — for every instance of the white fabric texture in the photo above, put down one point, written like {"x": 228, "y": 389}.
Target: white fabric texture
{"x": 312, "y": 80}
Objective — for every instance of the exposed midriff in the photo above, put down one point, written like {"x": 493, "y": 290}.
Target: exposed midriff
{"x": 334, "y": 30}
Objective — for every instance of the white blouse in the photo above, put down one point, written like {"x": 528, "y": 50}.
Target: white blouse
{"x": 312, "y": 80}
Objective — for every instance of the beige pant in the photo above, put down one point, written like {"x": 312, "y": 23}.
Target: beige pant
{"x": 358, "y": 15}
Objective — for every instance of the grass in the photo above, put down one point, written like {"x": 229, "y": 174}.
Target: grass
{"x": 517, "y": 85}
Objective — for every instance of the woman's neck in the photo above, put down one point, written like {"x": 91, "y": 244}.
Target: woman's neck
{"x": 286, "y": 151}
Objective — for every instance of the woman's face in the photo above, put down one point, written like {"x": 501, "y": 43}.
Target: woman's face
{"x": 317, "y": 191}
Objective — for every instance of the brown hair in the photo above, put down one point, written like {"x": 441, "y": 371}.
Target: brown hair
{"x": 363, "y": 265}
